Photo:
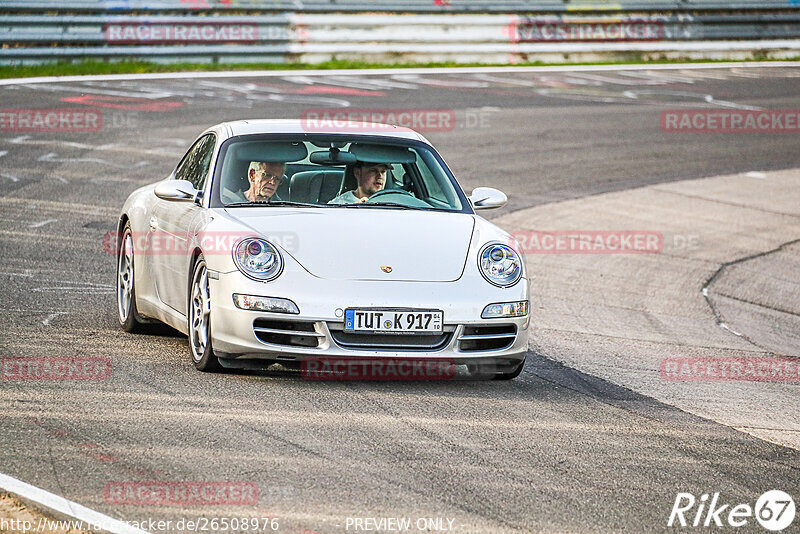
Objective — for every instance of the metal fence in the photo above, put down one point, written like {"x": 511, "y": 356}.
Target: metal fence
{"x": 314, "y": 37}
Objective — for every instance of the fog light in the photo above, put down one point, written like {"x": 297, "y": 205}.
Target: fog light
{"x": 268, "y": 304}
{"x": 506, "y": 309}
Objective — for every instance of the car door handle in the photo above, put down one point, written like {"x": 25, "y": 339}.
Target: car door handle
{"x": 153, "y": 224}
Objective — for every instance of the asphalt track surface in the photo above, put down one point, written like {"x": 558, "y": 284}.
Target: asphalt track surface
{"x": 553, "y": 450}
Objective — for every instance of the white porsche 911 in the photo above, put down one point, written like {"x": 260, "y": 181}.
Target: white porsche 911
{"x": 272, "y": 243}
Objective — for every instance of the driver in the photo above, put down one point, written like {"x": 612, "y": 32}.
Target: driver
{"x": 371, "y": 178}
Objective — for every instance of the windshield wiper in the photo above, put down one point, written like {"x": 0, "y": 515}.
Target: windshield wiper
{"x": 383, "y": 205}
{"x": 272, "y": 203}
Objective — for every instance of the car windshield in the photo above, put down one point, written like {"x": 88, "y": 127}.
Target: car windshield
{"x": 334, "y": 172}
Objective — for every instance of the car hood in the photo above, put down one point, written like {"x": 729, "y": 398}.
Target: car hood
{"x": 363, "y": 243}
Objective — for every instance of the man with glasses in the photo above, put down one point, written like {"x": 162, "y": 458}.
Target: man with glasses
{"x": 371, "y": 178}
{"x": 264, "y": 177}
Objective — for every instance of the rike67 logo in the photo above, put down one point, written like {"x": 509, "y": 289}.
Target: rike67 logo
{"x": 774, "y": 511}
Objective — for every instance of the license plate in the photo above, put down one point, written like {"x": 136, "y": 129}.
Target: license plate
{"x": 393, "y": 321}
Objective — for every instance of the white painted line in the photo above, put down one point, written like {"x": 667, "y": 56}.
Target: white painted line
{"x": 52, "y": 156}
{"x": 618, "y": 80}
{"x": 509, "y": 81}
{"x": 26, "y": 274}
{"x": 42, "y": 223}
{"x": 757, "y": 175}
{"x": 96, "y": 91}
{"x": 373, "y": 72}
{"x": 28, "y": 140}
{"x": 439, "y": 82}
{"x": 9, "y": 176}
{"x": 66, "y": 507}
{"x": 50, "y": 317}
{"x": 333, "y": 81}
{"x": 378, "y": 84}
{"x": 3, "y": 153}
{"x": 79, "y": 287}
{"x": 659, "y": 77}
{"x": 275, "y": 95}
{"x": 725, "y": 104}
{"x": 729, "y": 329}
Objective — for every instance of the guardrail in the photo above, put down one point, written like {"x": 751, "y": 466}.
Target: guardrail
{"x": 310, "y": 37}
{"x": 396, "y": 6}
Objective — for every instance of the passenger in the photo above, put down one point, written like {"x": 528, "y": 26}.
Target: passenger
{"x": 371, "y": 178}
{"x": 264, "y": 177}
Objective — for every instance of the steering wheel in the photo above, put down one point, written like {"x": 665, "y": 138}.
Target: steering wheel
{"x": 387, "y": 192}
{"x": 398, "y": 196}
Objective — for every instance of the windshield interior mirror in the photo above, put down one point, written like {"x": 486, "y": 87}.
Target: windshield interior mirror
{"x": 334, "y": 156}
{"x": 484, "y": 198}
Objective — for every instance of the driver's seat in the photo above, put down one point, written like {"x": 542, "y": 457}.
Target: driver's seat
{"x": 349, "y": 182}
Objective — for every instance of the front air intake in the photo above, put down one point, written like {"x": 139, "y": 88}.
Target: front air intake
{"x": 287, "y": 333}
{"x": 484, "y": 338}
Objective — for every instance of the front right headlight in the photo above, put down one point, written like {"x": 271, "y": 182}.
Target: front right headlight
{"x": 500, "y": 264}
{"x": 258, "y": 259}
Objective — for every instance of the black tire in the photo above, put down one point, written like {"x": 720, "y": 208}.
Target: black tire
{"x": 199, "y": 320}
{"x": 511, "y": 374}
{"x": 127, "y": 312}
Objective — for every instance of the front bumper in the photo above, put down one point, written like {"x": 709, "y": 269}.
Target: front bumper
{"x": 467, "y": 337}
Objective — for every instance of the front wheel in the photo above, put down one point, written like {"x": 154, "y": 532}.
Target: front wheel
{"x": 200, "y": 320}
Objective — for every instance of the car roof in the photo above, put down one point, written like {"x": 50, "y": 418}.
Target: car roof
{"x": 301, "y": 126}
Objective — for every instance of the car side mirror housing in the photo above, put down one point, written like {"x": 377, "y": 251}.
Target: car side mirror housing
{"x": 485, "y": 198}
{"x": 177, "y": 190}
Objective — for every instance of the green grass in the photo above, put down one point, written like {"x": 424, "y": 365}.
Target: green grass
{"x": 132, "y": 67}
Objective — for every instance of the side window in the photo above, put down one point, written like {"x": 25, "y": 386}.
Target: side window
{"x": 195, "y": 164}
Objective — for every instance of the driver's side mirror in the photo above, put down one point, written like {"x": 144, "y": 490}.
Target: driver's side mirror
{"x": 177, "y": 190}
{"x": 484, "y": 198}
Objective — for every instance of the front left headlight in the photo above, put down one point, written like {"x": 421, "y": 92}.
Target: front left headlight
{"x": 258, "y": 259}
{"x": 500, "y": 264}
